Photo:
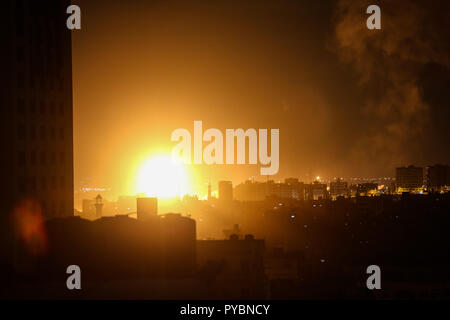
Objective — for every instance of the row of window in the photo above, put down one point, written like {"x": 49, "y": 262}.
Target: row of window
{"x": 44, "y": 133}
{"x": 52, "y": 210}
{"x": 51, "y": 82}
{"x": 42, "y": 108}
{"x": 43, "y": 158}
{"x": 31, "y": 184}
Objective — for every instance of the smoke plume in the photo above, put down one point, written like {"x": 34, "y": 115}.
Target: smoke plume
{"x": 389, "y": 62}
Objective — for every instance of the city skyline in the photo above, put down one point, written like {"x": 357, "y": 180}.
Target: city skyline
{"x": 170, "y": 65}
{"x": 248, "y": 150}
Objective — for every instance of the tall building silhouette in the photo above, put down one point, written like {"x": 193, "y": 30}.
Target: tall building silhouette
{"x": 36, "y": 108}
{"x": 409, "y": 178}
{"x": 146, "y": 208}
{"x": 209, "y": 191}
{"x": 225, "y": 191}
{"x": 438, "y": 177}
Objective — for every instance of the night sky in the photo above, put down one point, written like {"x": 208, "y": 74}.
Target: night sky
{"x": 349, "y": 102}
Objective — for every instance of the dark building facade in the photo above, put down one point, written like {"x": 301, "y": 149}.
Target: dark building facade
{"x": 114, "y": 253}
{"x": 438, "y": 177}
{"x": 36, "y": 111}
{"x": 235, "y": 267}
{"x": 146, "y": 207}
{"x": 292, "y": 188}
{"x": 409, "y": 178}
{"x": 338, "y": 188}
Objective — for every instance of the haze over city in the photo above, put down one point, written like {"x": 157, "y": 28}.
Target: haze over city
{"x": 225, "y": 150}
{"x": 308, "y": 70}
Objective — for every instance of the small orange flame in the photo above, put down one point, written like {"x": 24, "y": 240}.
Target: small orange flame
{"x": 30, "y": 226}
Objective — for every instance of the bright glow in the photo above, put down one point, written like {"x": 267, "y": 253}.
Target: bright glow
{"x": 162, "y": 177}
{"x": 318, "y": 178}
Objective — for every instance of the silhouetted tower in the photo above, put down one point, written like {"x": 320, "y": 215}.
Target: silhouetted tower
{"x": 36, "y": 108}
{"x": 209, "y": 191}
{"x": 98, "y": 207}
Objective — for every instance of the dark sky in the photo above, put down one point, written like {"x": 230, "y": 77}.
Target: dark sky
{"x": 348, "y": 101}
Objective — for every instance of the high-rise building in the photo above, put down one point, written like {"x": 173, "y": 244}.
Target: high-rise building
{"x": 36, "y": 107}
{"x": 338, "y": 188}
{"x": 438, "y": 177}
{"x": 409, "y": 179}
{"x": 225, "y": 191}
{"x": 209, "y": 192}
{"x": 98, "y": 207}
{"x": 316, "y": 191}
{"x": 366, "y": 188}
{"x": 259, "y": 191}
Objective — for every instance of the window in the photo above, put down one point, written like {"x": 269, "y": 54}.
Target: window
{"x": 33, "y": 132}
{"x": 21, "y": 80}
{"x": 21, "y": 132}
{"x": 43, "y": 158}
{"x": 33, "y": 157}
{"x": 62, "y": 208}
{"x": 20, "y": 24}
{"x": 33, "y": 106}
{"x": 43, "y": 131}
{"x": 33, "y": 184}
{"x": 44, "y": 207}
{"x": 19, "y": 6}
{"x": 42, "y": 108}
{"x": 20, "y": 54}
{"x": 53, "y": 210}
{"x": 33, "y": 77}
{"x": 22, "y": 185}
{"x": 21, "y": 158}
{"x": 21, "y": 106}
{"x": 43, "y": 183}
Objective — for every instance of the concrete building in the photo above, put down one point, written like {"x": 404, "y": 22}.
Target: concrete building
{"x": 98, "y": 207}
{"x": 260, "y": 191}
{"x": 146, "y": 208}
{"x": 250, "y": 191}
{"x": 338, "y": 188}
{"x": 367, "y": 188}
{"x": 438, "y": 178}
{"x": 316, "y": 191}
{"x": 225, "y": 191}
{"x": 36, "y": 112}
{"x": 409, "y": 179}
{"x": 241, "y": 262}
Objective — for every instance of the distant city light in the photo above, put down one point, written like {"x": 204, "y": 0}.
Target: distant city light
{"x": 89, "y": 189}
